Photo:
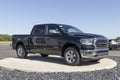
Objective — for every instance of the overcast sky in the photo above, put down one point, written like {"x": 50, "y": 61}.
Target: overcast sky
{"x": 91, "y": 16}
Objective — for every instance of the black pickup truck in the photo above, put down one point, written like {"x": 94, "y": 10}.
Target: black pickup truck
{"x": 60, "y": 39}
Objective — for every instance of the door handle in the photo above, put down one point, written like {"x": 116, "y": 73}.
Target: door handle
{"x": 47, "y": 38}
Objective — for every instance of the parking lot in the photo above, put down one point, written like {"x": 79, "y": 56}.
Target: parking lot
{"x": 6, "y": 51}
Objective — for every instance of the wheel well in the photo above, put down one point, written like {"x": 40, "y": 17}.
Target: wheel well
{"x": 69, "y": 45}
{"x": 19, "y": 43}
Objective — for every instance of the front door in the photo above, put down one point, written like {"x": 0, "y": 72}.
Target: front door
{"x": 53, "y": 40}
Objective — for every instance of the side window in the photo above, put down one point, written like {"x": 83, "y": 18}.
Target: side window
{"x": 53, "y": 29}
{"x": 39, "y": 30}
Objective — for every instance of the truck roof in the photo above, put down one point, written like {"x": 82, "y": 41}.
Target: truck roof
{"x": 49, "y": 24}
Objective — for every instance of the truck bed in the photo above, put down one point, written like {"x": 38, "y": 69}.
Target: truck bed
{"x": 16, "y": 38}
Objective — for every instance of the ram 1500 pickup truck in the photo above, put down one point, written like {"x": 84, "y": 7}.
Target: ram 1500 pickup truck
{"x": 64, "y": 40}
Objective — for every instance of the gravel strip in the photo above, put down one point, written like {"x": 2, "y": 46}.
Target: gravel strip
{"x": 112, "y": 74}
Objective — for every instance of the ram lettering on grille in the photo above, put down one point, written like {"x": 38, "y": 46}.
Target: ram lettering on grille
{"x": 101, "y": 43}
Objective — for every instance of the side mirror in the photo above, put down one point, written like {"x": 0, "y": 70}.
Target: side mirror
{"x": 53, "y": 32}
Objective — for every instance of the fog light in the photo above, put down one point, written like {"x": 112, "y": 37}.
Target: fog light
{"x": 87, "y": 53}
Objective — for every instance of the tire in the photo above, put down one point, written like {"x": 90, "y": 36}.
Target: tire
{"x": 72, "y": 56}
{"x": 21, "y": 53}
{"x": 44, "y": 55}
{"x": 95, "y": 60}
{"x": 110, "y": 48}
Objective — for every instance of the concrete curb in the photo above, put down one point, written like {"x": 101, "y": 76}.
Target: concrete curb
{"x": 41, "y": 66}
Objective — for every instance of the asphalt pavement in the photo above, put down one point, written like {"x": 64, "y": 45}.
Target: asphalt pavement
{"x": 6, "y": 51}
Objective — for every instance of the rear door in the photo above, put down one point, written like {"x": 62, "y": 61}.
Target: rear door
{"x": 37, "y": 39}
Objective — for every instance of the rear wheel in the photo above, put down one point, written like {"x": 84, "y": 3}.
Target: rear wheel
{"x": 21, "y": 53}
{"x": 44, "y": 55}
{"x": 72, "y": 56}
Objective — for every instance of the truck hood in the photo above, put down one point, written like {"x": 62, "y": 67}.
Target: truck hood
{"x": 86, "y": 35}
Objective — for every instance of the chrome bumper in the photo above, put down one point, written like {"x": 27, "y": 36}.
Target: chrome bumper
{"x": 94, "y": 54}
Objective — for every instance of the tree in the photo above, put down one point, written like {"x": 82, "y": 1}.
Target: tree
{"x": 118, "y": 38}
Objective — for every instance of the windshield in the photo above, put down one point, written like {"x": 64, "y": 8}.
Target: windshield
{"x": 69, "y": 29}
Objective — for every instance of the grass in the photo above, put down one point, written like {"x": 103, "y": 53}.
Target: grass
{"x": 5, "y": 42}
{"x": 17, "y": 70}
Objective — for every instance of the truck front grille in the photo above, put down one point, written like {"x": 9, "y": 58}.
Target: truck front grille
{"x": 101, "y": 43}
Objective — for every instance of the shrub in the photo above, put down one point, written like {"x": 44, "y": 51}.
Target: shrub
{"x": 5, "y": 37}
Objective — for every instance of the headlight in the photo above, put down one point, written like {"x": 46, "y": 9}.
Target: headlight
{"x": 87, "y": 41}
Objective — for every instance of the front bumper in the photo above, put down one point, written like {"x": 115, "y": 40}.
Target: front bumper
{"x": 94, "y": 54}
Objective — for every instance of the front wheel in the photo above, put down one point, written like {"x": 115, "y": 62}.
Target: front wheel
{"x": 95, "y": 60}
{"x": 21, "y": 53}
{"x": 72, "y": 56}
